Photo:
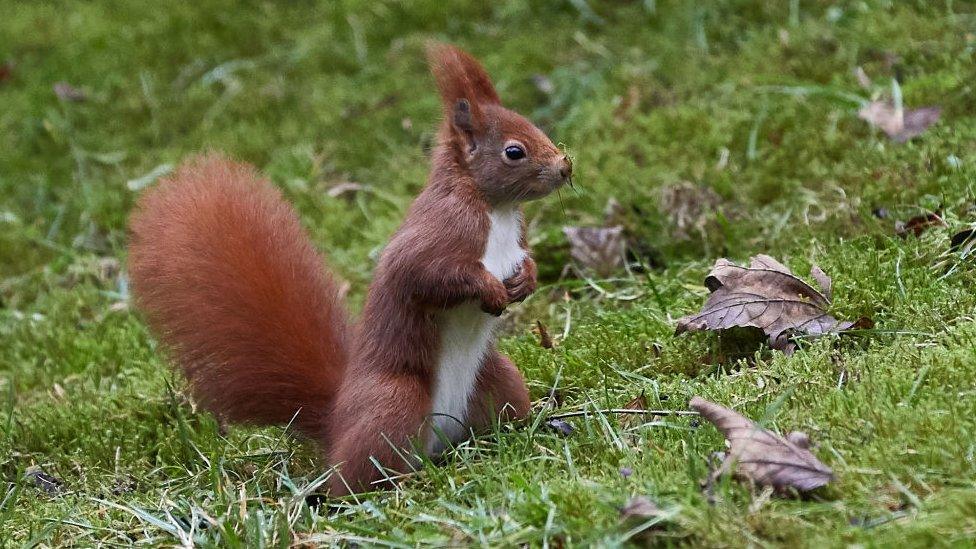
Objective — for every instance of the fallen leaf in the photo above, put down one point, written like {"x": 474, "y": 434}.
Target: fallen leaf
{"x": 688, "y": 207}
{"x": 639, "y": 402}
{"x": 768, "y": 296}
{"x": 67, "y": 92}
{"x": 640, "y": 507}
{"x": 963, "y": 241}
{"x": 6, "y": 71}
{"x": 545, "y": 340}
{"x": 899, "y": 124}
{"x": 560, "y": 427}
{"x": 919, "y": 224}
{"x": 48, "y": 483}
{"x": 600, "y": 249}
{"x": 632, "y": 420}
{"x": 655, "y": 349}
{"x": 123, "y": 485}
{"x": 763, "y": 457}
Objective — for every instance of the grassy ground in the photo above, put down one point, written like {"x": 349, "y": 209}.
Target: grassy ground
{"x": 754, "y": 100}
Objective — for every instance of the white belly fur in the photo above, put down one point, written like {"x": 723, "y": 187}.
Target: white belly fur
{"x": 466, "y": 332}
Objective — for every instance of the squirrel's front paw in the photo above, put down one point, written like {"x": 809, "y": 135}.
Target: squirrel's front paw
{"x": 521, "y": 284}
{"x": 495, "y": 298}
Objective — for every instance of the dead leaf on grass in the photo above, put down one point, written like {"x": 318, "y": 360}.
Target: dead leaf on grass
{"x": 42, "y": 480}
{"x": 898, "y": 123}
{"x": 963, "y": 241}
{"x": 560, "y": 427}
{"x": 633, "y": 420}
{"x": 768, "y": 296}
{"x": 689, "y": 208}
{"x": 545, "y": 340}
{"x": 640, "y": 507}
{"x": 600, "y": 249}
{"x": 764, "y": 457}
{"x": 919, "y": 224}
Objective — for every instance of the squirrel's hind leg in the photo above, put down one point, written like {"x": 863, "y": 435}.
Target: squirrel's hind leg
{"x": 379, "y": 420}
{"x": 500, "y": 393}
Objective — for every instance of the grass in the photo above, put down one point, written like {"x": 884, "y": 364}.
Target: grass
{"x": 754, "y": 100}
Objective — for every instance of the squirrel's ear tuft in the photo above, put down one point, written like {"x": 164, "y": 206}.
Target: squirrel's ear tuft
{"x": 460, "y": 76}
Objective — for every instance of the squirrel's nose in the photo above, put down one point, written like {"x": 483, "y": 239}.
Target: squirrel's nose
{"x": 565, "y": 167}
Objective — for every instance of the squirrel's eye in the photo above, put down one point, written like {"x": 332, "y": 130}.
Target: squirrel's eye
{"x": 514, "y": 152}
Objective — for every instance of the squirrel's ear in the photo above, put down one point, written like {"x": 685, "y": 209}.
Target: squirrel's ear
{"x": 462, "y": 118}
{"x": 464, "y": 124}
{"x": 459, "y": 76}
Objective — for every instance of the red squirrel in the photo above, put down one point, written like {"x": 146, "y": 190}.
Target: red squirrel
{"x": 231, "y": 284}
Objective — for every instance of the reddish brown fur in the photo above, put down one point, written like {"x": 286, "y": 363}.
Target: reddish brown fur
{"x": 501, "y": 393}
{"x": 228, "y": 279}
{"x": 460, "y": 76}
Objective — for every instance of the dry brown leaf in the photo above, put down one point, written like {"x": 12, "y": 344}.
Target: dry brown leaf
{"x": 963, "y": 241}
{"x": 560, "y": 427}
{"x": 600, "y": 249}
{"x": 763, "y": 457}
{"x": 919, "y": 224}
{"x": 688, "y": 207}
{"x": 640, "y": 507}
{"x": 767, "y": 296}
{"x": 639, "y": 402}
{"x": 44, "y": 481}
{"x": 899, "y": 124}
{"x": 67, "y": 92}
{"x": 632, "y": 420}
{"x": 545, "y": 340}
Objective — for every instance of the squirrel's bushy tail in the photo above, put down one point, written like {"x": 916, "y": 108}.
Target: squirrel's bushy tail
{"x": 230, "y": 282}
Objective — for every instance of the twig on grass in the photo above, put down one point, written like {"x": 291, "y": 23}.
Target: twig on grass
{"x": 625, "y": 411}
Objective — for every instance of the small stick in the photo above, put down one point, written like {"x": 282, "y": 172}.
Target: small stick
{"x": 626, "y": 411}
